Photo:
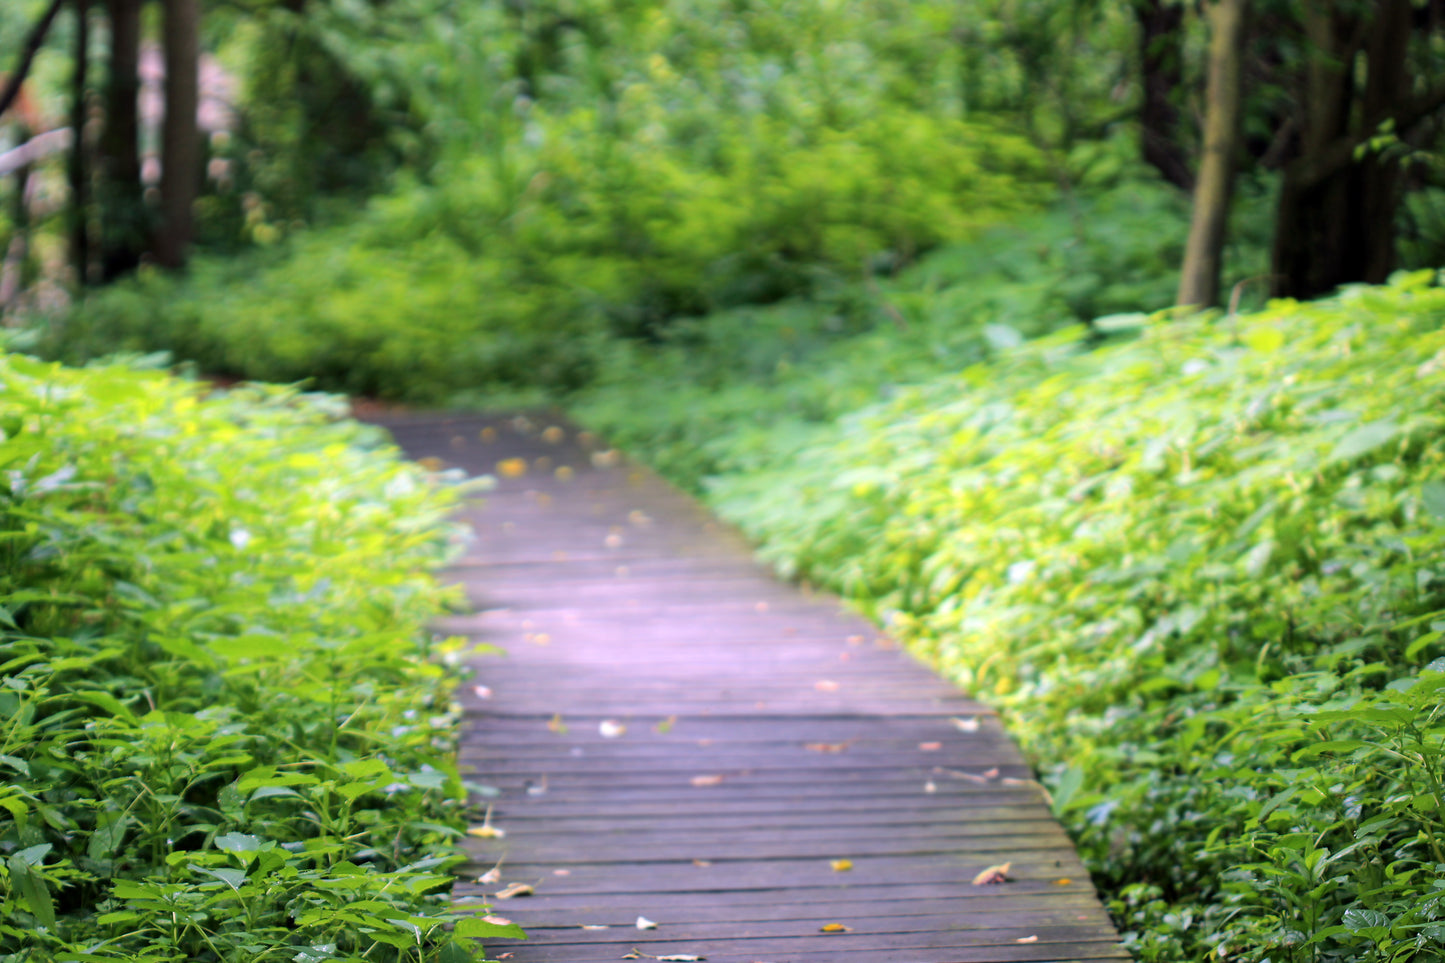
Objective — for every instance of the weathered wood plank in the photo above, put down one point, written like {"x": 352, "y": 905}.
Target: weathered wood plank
{"x": 674, "y": 734}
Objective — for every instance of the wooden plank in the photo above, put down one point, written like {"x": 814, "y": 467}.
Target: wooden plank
{"x": 768, "y": 733}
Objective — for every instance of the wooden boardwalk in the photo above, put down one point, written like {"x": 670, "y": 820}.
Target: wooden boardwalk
{"x": 677, "y": 736}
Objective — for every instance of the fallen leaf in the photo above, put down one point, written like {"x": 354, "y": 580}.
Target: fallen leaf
{"x": 929, "y": 746}
{"x": 704, "y": 863}
{"x": 594, "y": 926}
{"x": 561, "y": 872}
{"x": 543, "y": 464}
{"x": 965, "y": 724}
{"x": 991, "y": 773}
{"x": 458, "y": 442}
{"x": 827, "y": 746}
{"x": 493, "y": 875}
{"x": 486, "y": 832}
{"x": 610, "y": 729}
{"x": 497, "y": 920}
{"x": 605, "y": 459}
{"x": 665, "y": 726}
{"x": 512, "y": 467}
{"x": 930, "y": 786}
{"x": 482, "y": 691}
{"x": 701, "y": 781}
{"x": 836, "y": 928}
{"x": 855, "y": 640}
{"x": 613, "y": 541}
{"x": 1027, "y": 939}
{"x": 539, "y": 638}
{"x": 431, "y": 463}
{"x": 555, "y": 724}
{"x": 488, "y": 434}
{"x": 513, "y": 890}
{"x": 506, "y": 956}
{"x": 841, "y": 865}
{"x": 643, "y": 923}
{"x": 761, "y": 606}
{"x": 564, "y": 473}
{"x": 1063, "y": 882}
{"x": 639, "y": 518}
{"x": 959, "y": 774}
{"x": 538, "y": 789}
{"x": 992, "y": 875}
{"x": 826, "y": 685}
{"x": 553, "y": 435}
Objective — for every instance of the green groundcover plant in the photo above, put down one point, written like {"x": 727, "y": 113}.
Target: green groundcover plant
{"x": 224, "y": 733}
{"x": 1202, "y": 572}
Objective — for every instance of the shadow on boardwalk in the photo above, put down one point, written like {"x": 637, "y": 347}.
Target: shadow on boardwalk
{"x": 677, "y": 736}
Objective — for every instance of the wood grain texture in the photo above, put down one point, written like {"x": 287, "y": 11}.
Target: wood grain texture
{"x": 672, "y": 733}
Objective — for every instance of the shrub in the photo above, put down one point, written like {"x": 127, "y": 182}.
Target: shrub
{"x": 225, "y": 733}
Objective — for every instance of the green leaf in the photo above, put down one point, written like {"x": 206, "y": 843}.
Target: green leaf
{"x": 1363, "y": 440}
{"x": 32, "y": 890}
{"x": 476, "y": 928}
{"x": 1432, "y": 496}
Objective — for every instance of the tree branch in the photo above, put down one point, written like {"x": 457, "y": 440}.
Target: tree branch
{"x": 27, "y": 55}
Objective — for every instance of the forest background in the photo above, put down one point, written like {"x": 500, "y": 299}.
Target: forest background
{"x": 915, "y": 260}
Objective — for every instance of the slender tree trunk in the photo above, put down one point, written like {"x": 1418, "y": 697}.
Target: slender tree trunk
{"x": 180, "y": 137}
{"x": 78, "y": 169}
{"x": 1203, "y": 257}
{"x": 1161, "y": 60}
{"x": 16, "y": 80}
{"x": 123, "y": 227}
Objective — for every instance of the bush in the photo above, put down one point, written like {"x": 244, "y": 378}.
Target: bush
{"x": 225, "y": 733}
{"x": 1201, "y": 571}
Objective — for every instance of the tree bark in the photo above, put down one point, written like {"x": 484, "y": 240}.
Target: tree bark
{"x": 180, "y": 137}
{"x": 123, "y": 222}
{"x": 1161, "y": 60}
{"x": 1335, "y": 220}
{"x": 78, "y": 171}
{"x": 1203, "y": 257}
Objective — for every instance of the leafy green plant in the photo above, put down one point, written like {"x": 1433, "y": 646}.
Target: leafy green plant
{"x": 225, "y": 733}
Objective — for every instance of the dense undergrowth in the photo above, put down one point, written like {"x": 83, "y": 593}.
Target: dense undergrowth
{"x": 1200, "y": 570}
{"x": 225, "y": 735}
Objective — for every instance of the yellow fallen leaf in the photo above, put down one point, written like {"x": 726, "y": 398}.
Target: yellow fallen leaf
{"x": 512, "y": 467}
{"x": 992, "y": 875}
{"x": 707, "y": 780}
{"x": 486, "y": 832}
{"x": 488, "y": 434}
{"x": 841, "y": 865}
{"x": 431, "y": 463}
{"x": 1063, "y": 882}
{"x": 513, "y": 890}
{"x": 564, "y": 473}
{"x": 555, "y": 724}
{"x": 836, "y": 928}
{"x": 553, "y": 435}
{"x": 665, "y": 726}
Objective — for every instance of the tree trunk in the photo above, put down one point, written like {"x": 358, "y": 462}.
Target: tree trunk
{"x": 1336, "y": 214}
{"x": 77, "y": 171}
{"x": 1161, "y": 60}
{"x": 180, "y": 137}
{"x": 123, "y": 223}
{"x": 1203, "y": 257}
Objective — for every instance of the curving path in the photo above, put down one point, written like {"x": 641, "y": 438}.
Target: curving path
{"x": 677, "y": 736}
